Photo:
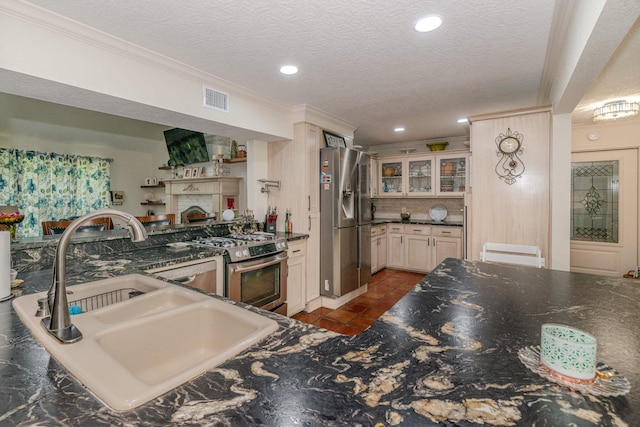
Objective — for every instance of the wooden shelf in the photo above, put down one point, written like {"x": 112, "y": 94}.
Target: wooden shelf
{"x": 165, "y": 168}
{"x": 236, "y": 160}
{"x": 161, "y": 185}
{"x": 152, "y": 203}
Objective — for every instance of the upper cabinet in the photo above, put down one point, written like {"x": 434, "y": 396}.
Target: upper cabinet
{"x": 423, "y": 176}
{"x": 452, "y": 176}
{"x": 406, "y": 176}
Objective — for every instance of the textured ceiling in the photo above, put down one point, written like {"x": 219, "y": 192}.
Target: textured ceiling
{"x": 359, "y": 60}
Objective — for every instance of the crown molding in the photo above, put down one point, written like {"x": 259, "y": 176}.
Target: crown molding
{"x": 511, "y": 113}
{"x": 306, "y": 113}
{"x": 562, "y": 16}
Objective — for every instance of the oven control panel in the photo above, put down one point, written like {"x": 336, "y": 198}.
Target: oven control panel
{"x": 256, "y": 251}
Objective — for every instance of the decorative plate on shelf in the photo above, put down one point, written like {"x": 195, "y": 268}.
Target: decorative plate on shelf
{"x": 438, "y": 212}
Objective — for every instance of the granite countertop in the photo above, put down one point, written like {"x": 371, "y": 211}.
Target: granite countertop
{"x": 446, "y": 354}
{"x": 417, "y": 221}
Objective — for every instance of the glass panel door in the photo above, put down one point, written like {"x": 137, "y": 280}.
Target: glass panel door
{"x": 594, "y": 201}
{"x": 420, "y": 176}
{"x": 391, "y": 178}
{"x": 452, "y": 175}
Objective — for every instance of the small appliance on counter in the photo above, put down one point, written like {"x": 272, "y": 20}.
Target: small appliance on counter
{"x": 270, "y": 220}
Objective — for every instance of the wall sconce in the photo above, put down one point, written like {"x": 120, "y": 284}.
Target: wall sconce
{"x": 616, "y": 110}
{"x": 268, "y": 183}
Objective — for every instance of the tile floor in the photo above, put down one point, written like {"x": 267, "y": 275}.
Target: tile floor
{"x": 385, "y": 289}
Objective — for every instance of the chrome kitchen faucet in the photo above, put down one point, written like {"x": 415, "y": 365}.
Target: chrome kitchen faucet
{"x": 59, "y": 323}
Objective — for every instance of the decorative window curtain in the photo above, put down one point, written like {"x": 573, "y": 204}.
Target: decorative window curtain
{"x": 49, "y": 186}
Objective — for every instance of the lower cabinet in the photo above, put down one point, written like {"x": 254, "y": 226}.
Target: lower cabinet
{"x": 378, "y": 248}
{"x": 395, "y": 246}
{"x": 417, "y": 247}
{"x": 421, "y": 247}
{"x": 447, "y": 243}
{"x": 296, "y": 278}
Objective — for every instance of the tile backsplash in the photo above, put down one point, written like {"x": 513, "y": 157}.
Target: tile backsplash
{"x": 390, "y": 208}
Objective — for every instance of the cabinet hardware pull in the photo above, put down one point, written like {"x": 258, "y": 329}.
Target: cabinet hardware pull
{"x": 296, "y": 251}
{"x": 445, "y": 232}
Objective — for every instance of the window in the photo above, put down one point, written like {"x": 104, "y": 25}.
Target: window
{"x": 49, "y": 186}
{"x": 594, "y": 201}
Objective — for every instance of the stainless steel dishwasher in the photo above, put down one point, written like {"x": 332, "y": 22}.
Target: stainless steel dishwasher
{"x": 199, "y": 274}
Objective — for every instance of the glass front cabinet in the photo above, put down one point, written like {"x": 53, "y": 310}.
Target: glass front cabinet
{"x": 406, "y": 177}
{"x": 452, "y": 177}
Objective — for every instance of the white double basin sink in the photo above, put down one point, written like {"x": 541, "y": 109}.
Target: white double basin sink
{"x": 135, "y": 350}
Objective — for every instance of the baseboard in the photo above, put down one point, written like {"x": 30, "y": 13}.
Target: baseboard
{"x": 334, "y": 303}
{"x": 312, "y": 305}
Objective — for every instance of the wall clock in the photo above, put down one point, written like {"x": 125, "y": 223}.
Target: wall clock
{"x": 510, "y": 166}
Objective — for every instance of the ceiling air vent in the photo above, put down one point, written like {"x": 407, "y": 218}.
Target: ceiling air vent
{"x": 215, "y": 99}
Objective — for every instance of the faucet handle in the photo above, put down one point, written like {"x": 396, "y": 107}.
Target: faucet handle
{"x": 43, "y": 307}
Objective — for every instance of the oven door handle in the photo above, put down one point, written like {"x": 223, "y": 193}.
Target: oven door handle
{"x": 186, "y": 279}
{"x": 251, "y": 265}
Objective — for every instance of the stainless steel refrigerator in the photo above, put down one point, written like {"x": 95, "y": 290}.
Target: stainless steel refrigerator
{"x": 345, "y": 216}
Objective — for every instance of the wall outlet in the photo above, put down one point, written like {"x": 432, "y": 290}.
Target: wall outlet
{"x": 326, "y": 285}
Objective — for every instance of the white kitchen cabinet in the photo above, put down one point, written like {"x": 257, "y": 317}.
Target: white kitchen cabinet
{"x": 421, "y": 248}
{"x": 395, "y": 246}
{"x": 378, "y": 248}
{"x": 452, "y": 178}
{"x": 402, "y": 176}
{"x": 417, "y": 247}
{"x": 408, "y": 247}
{"x": 296, "y": 165}
{"x": 447, "y": 243}
{"x": 373, "y": 178}
{"x": 296, "y": 276}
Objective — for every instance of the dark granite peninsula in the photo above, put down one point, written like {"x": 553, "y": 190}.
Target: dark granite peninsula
{"x": 445, "y": 355}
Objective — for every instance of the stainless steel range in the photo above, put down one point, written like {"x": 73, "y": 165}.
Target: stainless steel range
{"x": 255, "y": 268}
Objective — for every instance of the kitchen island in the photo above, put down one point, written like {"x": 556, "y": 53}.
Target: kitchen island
{"x": 446, "y": 354}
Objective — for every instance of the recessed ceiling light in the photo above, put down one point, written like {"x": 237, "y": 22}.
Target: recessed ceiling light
{"x": 288, "y": 69}
{"x": 463, "y": 120}
{"x": 399, "y": 129}
{"x": 428, "y": 23}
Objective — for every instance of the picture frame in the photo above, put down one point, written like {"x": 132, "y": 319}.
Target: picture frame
{"x": 187, "y": 173}
{"x": 117, "y": 197}
{"x": 333, "y": 140}
{"x": 195, "y": 173}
